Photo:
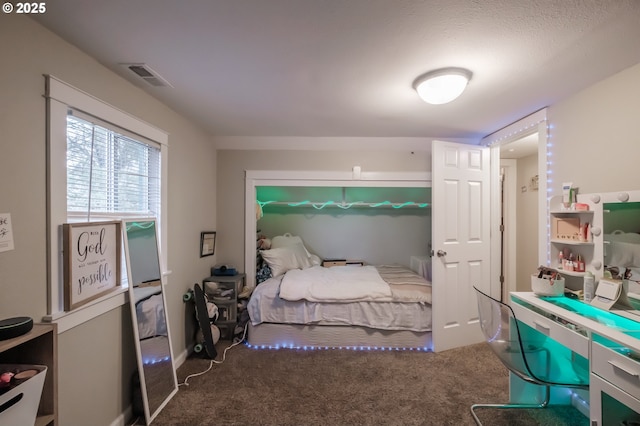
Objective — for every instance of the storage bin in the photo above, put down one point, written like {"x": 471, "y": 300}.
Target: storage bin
{"x": 19, "y": 405}
{"x": 543, "y": 286}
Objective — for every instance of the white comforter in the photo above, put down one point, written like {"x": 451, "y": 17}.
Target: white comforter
{"x": 266, "y": 306}
{"x": 151, "y": 318}
{"x": 336, "y": 284}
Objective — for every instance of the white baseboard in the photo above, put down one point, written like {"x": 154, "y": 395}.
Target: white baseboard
{"x": 182, "y": 357}
{"x": 124, "y": 418}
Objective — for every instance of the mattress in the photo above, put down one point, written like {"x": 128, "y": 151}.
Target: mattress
{"x": 265, "y": 306}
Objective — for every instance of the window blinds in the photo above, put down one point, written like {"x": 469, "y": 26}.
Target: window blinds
{"x": 110, "y": 173}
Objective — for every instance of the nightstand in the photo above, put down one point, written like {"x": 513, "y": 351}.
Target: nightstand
{"x": 223, "y": 291}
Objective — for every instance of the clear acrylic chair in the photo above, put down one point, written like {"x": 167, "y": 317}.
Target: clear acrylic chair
{"x": 523, "y": 353}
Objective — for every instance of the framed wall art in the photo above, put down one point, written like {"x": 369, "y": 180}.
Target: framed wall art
{"x": 207, "y": 243}
{"x": 92, "y": 261}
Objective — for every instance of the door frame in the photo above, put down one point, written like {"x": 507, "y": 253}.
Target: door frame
{"x": 509, "y": 238}
{"x": 536, "y": 122}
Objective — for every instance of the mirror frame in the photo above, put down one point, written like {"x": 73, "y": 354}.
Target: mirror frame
{"x": 149, "y": 416}
{"x": 533, "y": 123}
{"x": 598, "y": 200}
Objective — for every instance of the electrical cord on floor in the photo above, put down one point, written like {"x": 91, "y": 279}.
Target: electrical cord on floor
{"x": 213, "y": 361}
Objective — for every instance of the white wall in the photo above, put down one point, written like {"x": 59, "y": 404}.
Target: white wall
{"x": 374, "y": 235}
{"x": 595, "y": 136}
{"x": 99, "y": 354}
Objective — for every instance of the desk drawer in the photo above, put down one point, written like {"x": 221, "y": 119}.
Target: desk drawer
{"x": 550, "y": 328}
{"x": 616, "y": 368}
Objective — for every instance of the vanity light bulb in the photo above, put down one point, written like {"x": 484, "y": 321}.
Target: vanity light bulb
{"x": 623, "y": 196}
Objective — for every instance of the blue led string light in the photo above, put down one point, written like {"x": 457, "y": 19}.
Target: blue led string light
{"x": 348, "y": 348}
{"x": 152, "y": 361}
{"x": 549, "y": 178}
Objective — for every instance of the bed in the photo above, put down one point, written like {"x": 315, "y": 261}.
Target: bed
{"x": 305, "y": 305}
{"x": 150, "y": 311}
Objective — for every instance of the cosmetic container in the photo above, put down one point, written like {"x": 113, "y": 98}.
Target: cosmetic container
{"x": 589, "y": 287}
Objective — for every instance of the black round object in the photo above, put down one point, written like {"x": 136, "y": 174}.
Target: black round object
{"x": 14, "y": 327}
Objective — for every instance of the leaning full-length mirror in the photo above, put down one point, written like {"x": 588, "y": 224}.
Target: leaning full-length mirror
{"x": 148, "y": 308}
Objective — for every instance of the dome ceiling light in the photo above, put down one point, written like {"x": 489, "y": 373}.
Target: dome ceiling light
{"x": 443, "y": 85}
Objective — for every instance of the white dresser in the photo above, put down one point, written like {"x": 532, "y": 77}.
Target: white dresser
{"x": 606, "y": 343}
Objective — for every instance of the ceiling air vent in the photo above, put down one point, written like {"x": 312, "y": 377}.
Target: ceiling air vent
{"x": 144, "y": 72}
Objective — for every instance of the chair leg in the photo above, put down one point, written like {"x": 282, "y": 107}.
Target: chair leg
{"x": 543, "y": 404}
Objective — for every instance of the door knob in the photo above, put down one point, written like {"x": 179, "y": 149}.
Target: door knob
{"x": 441, "y": 253}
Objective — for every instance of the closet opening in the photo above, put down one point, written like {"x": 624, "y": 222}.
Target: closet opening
{"x": 375, "y": 225}
{"x": 384, "y": 220}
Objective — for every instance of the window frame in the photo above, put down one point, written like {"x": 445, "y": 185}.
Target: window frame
{"x": 60, "y": 97}
{"x": 111, "y": 131}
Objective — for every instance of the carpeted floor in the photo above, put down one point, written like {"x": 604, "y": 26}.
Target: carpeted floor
{"x": 342, "y": 387}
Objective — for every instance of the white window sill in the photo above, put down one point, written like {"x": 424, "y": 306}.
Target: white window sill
{"x": 68, "y": 320}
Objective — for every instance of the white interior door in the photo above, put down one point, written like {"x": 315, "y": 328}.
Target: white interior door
{"x": 461, "y": 241}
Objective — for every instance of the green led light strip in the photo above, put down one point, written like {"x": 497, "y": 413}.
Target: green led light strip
{"x": 343, "y": 205}
{"x": 144, "y": 224}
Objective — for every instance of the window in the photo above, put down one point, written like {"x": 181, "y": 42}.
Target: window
{"x": 110, "y": 174}
{"x": 103, "y": 164}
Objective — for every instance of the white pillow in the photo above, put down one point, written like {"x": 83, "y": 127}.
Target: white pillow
{"x": 287, "y": 240}
{"x": 315, "y": 260}
{"x": 283, "y": 259}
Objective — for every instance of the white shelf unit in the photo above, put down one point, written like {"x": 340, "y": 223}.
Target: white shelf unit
{"x": 586, "y": 249}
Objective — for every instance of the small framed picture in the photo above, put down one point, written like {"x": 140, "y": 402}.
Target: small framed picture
{"x": 207, "y": 243}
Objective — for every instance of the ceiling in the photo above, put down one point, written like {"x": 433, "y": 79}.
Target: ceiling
{"x": 520, "y": 148}
{"x": 346, "y": 67}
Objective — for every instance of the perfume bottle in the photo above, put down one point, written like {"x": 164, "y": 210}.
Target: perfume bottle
{"x": 560, "y": 259}
{"x": 570, "y": 265}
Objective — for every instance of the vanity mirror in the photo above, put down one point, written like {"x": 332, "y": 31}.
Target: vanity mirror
{"x": 158, "y": 380}
{"x": 621, "y": 240}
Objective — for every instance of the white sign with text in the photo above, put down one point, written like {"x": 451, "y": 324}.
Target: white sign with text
{"x": 92, "y": 261}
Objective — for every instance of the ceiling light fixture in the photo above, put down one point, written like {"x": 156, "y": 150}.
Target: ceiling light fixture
{"x": 443, "y": 85}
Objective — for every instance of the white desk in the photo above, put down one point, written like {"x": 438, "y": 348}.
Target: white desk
{"x": 610, "y": 343}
